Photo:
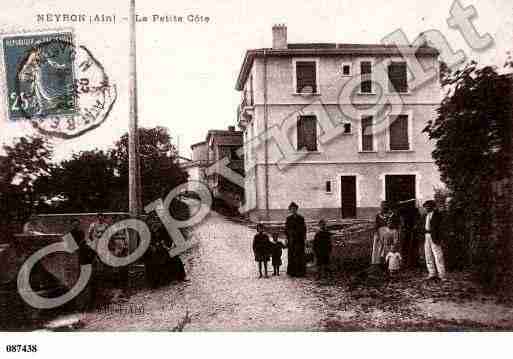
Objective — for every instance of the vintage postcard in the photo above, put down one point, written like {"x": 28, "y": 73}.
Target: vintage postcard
{"x": 243, "y": 166}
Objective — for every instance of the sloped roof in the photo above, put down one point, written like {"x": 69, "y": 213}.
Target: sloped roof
{"x": 198, "y": 144}
{"x": 327, "y": 49}
{"x": 225, "y": 137}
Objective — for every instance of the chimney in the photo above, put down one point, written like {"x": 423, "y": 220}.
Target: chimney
{"x": 280, "y": 36}
{"x": 231, "y": 128}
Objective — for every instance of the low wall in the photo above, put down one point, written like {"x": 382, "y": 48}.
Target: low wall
{"x": 61, "y": 223}
{"x": 57, "y": 269}
{"x": 313, "y": 214}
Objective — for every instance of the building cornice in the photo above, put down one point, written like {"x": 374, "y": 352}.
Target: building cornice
{"x": 338, "y": 49}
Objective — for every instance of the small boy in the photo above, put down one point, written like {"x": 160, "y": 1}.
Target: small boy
{"x": 393, "y": 261}
{"x": 322, "y": 248}
{"x": 276, "y": 251}
{"x": 261, "y": 249}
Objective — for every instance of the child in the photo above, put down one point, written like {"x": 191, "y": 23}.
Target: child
{"x": 393, "y": 261}
{"x": 322, "y": 248}
{"x": 277, "y": 248}
{"x": 262, "y": 249}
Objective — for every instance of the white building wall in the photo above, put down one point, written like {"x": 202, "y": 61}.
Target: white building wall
{"x": 303, "y": 181}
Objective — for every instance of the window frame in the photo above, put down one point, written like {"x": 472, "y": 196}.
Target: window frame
{"x": 347, "y": 122}
{"x": 360, "y": 134}
{"x": 330, "y": 182}
{"x": 294, "y": 75}
{"x": 389, "y": 82}
{"x": 409, "y": 115}
{"x": 372, "y": 80}
{"x": 342, "y": 65}
{"x": 298, "y": 118}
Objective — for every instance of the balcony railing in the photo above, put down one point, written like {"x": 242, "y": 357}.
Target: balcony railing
{"x": 245, "y": 111}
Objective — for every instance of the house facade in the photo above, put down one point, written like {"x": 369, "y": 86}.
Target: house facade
{"x": 218, "y": 145}
{"x": 336, "y": 128}
{"x": 195, "y": 168}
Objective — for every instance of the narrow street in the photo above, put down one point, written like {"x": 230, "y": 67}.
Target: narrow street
{"x": 223, "y": 293}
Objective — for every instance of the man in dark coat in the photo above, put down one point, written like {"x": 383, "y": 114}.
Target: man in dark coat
{"x": 322, "y": 249}
{"x": 86, "y": 256}
{"x": 410, "y": 218}
{"x": 432, "y": 226}
{"x": 295, "y": 228}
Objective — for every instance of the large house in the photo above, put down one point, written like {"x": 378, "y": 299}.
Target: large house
{"x": 337, "y": 156}
{"x": 218, "y": 145}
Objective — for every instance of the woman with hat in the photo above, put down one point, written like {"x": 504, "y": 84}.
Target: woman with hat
{"x": 386, "y": 235}
{"x": 295, "y": 229}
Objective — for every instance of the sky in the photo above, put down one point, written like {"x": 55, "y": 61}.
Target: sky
{"x": 187, "y": 71}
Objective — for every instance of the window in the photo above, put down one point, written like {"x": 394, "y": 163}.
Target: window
{"x": 307, "y": 133}
{"x": 399, "y": 139}
{"x": 397, "y": 75}
{"x": 346, "y": 69}
{"x": 366, "y": 71}
{"x": 328, "y": 186}
{"x": 306, "y": 77}
{"x": 367, "y": 134}
{"x": 347, "y": 127}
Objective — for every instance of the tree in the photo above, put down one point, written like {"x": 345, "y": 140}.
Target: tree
{"x": 95, "y": 180}
{"x": 87, "y": 182}
{"x": 26, "y": 160}
{"x": 90, "y": 181}
{"x": 471, "y": 147}
{"x": 160, "y": 172}
{"x": 469, "y": 127}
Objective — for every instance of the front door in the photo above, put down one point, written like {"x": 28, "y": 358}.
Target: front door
{"x": 399, "y": 188}
{"x": 348, "y": 195}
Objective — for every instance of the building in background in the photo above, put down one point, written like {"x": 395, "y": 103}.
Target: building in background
{"x": 195, "y": 168}
{"x": 219, "y": 144}
{"x": 299, "y": 91}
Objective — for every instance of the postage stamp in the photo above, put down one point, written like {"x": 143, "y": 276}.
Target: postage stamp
{"x": 61, "y": 88}
{"x": 39, "y": 73}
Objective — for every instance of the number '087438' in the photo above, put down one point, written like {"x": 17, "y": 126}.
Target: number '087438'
{"x": 21, "y": 348}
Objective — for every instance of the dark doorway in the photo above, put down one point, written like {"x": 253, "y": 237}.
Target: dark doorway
{"x": 399, "y": 188}
{"x": 348, "y": 195}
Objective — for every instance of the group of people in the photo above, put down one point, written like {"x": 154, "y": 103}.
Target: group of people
{"x": 160, "y": 267}
{"x": 396, "y": 237}
{"x": 295, "y": 230}
{"x": 398, "y": 231}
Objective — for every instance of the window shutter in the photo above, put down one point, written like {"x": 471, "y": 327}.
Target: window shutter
{"x": 300, "y": 134}
{"x": 307, "y": 133}
{"x": 366, "y": 69}
{"x": 306, "y": 76}
{"x": 311, "y": 133}
{"x": 397, "y": 75}
{"x": 399, "y": 133}
{"x": 367, "y": 134}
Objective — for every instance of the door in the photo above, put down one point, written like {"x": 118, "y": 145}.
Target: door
{"x": 399, "y": 188}
{"x": 348, "y": 196}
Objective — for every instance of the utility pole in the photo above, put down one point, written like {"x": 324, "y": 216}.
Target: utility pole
{"x": 134, "y": 172}
{"x": 134, "y": 175}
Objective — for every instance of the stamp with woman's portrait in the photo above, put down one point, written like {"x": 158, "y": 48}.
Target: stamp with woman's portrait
{"x": 60, "y": 88}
